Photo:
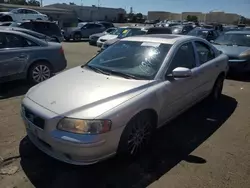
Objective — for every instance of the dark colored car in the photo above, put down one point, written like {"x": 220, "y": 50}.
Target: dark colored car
{"x": 236, "y": 45}
{"x": 159, "y": 30}
{"x": 182, "y": 29}
{"x": 48, "y": 28}
{"x": 29, "y": 32}
{"x": 208, "y": 34}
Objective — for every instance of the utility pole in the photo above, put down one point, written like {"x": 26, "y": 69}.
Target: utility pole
{"x": 41, "y": 3}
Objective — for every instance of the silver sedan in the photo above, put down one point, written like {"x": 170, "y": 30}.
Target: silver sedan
{"x": 114, "y": 103}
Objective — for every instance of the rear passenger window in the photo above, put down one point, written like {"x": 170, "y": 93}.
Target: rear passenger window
{"x": 16, "y": 41}
{"x": 27, "y": 25}
{"x": 205, "y": 53}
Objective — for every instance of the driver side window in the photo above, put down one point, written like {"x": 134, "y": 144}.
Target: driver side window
{"x": 184, "y": 57}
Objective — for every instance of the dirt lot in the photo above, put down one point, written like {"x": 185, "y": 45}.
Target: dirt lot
{"x": 208, "y": 146}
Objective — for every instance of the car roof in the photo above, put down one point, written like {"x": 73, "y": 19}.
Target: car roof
{"x": 203, "y": 29}
{"x": 243, "y": 32}
{"x": 160, "y": 38}
{"x": 43, "y": 21}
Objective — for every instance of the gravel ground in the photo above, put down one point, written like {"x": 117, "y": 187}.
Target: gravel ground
{"x": 208, "y": 146}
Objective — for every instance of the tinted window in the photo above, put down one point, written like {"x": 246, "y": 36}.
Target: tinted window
{"x": 16, "y": 41}
{"x": 140, "y": 59}
{"x": 92, "y": 26}
{"x": 107, "y": 25}
{"x": 30, "y": 12}
{"x": 3, "y": 41}
{"x": 54, "y": 28}
{"x": 205, "y": 53}
{"x": 26, "y": 25}
{"x": 184, "y": 57}
{"x": 159, "y": 31}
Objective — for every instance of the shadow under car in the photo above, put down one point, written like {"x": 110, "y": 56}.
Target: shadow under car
{"x": 170, "y": 145}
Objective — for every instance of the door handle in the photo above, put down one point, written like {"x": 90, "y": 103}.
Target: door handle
{"x": 22, "y": 56}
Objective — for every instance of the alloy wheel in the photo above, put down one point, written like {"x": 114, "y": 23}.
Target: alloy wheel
{"x": 41, "y": 73}
{"x": 139, "y": 136}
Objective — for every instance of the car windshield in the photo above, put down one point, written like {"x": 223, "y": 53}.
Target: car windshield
{"x": 120, "y": 31}
{"x": 130, "y": 59}
{"x": 198, "y": 33}
{"x": 232, "y": 39}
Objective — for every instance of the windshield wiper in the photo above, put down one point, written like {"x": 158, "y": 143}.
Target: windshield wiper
{"x": 98, "y": 70}
{"x": 125, "y": 75}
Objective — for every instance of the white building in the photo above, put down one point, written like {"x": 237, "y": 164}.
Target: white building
{"x": 93, "y": 13}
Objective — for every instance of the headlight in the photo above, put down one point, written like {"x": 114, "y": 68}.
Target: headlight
{"x": 245, "y": 54}
{"x": 84, "y": 126}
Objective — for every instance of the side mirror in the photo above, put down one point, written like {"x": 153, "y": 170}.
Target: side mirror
{"x": 181, "y": 72}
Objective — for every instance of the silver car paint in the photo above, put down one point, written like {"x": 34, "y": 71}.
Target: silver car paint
{"x": 15, "y": 62}
{"x": 114, "y": 98}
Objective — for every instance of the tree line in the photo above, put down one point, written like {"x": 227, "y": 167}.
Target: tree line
{"x": 24, "y": 2}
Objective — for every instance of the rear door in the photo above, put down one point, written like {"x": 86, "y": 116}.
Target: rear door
{"x": 208, "y": 65}
{"x": 14, "y": 54}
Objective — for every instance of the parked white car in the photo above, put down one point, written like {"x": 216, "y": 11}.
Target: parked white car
{"x": 114, "y": 103}
{"x": 21, "y": 14}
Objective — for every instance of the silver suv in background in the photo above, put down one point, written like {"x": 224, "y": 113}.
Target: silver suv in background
{"x": 23, "y": 56}
{"x": 83, "y": 30}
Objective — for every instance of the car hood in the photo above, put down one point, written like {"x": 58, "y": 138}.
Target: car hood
{"x": 97, "y": 35}
{"x": 231, "y": 51}
{"x": 109, "y": 37}
{"x": 112, "y": 41}
{"x": 83, "y": 93}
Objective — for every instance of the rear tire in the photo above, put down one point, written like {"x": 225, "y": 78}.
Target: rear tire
{"x": 39, "y": 72}
{"x": 136, "y": 135}
{"x": 217, "y": 88}
{"x": 77, "y": 37}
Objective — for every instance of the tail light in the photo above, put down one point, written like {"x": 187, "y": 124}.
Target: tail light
{"x": 61, "y": 50}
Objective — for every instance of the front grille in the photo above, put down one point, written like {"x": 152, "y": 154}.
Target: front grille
{"x": 102, "y": 40}
{"x": 35, "y": 119}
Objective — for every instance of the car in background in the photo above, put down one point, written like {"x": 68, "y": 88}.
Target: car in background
{"x": 123, "y": 32}
{"x": 159, "y": 30}
{"x": 181, "y": 29}
{"x": 21, "y": 14}
{"x": 246, "y": 29}
{"x": 47, "y": 28}
{"x": 208, "y": 34}
{"x": 30, "y": 32}
{"x": 93, "y": 38}
{"x": 105, "y": 24}
{"x": 236, "y": 45}
{"x": 139, "y": 84}
{"x": 83, "y": 30}
{"x": 5, "y": 23}
{"x": 26, "y": 57}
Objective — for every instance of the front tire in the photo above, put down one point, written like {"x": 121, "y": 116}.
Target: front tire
{"x": 39, "y": 72}
{"x": 136, "y": 135}
{"x": 77, "y": 37}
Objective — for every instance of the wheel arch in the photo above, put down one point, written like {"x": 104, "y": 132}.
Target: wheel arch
{"x": 37, "y": 61}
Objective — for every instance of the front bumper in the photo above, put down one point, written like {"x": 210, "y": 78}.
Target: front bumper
{"x": 99, "y": 43}
{"x": 68, "y": 147}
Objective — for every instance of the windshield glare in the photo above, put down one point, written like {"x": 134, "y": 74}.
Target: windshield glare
{"x": 140, "y": 59}
{"x": 234, "y": 39}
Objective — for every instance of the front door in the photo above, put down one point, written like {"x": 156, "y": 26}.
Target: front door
{"x": 179, "y": 93}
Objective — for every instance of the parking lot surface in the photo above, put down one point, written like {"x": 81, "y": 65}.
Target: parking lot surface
{"x": 208, "y": 146}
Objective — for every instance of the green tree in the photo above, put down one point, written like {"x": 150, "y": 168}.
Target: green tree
{"x": 17, "y": 2}
{"x": 139, "y": 16}
{"x": 192, "y": 18}
{"x": 33, "y": 3}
